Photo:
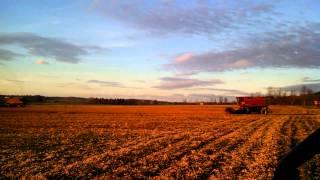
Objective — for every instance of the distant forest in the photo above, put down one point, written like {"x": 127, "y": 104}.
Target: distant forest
{"x": 304, "y": 96}
{"x": 38, "y": 99}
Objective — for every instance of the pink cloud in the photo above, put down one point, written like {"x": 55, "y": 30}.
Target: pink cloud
{"x": 169, "y": 83}
{"x": 183, "y": 57}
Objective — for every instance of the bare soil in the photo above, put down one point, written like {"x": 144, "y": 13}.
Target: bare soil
{"x": 151, "y": 141}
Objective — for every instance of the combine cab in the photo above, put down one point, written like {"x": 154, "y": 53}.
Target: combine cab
{"x": 249, "y": 105}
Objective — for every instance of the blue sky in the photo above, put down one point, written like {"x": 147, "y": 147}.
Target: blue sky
{"x": 166, "y": 50}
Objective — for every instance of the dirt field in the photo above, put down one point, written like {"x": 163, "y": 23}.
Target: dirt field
{"x": 151, "y": 141}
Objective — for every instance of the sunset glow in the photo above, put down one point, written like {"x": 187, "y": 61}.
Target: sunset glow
{"x": 165, "y": 50}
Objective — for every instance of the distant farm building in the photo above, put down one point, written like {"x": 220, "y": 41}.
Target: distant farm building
{"x": 13, "y": 101}
{"x": 316, "y": 102}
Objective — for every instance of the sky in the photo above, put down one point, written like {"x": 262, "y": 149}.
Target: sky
{"x": 166, "y": 50}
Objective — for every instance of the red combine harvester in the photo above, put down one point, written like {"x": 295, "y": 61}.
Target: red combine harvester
{"x": 13, "y": 102}
{"x": 249, "y": 105}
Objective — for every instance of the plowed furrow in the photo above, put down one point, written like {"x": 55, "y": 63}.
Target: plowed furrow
{"x": 133, "y": 144}
{"x": 108, "y": 161}
{"x": 239, "y": 160}
{"x": 112, "y": 159}
{"x": 294, "y": 140}
{"x": 311, "y": 168}
{"x": 284, "y": 141}
{"x": 72, "y": 153}
{"x": 200, "y": 163}
{"x": 163, "y": 158}
{"x": 265, "y": 158}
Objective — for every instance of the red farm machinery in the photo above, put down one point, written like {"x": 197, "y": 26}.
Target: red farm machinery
{"x": 12, "y": 102}
{"x": 247, "y": 105}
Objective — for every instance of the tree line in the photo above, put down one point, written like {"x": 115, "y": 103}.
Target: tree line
{"x": 303, "y": 96}
{"x": 277, "y": 96}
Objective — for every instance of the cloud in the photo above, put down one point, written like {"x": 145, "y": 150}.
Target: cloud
{"x": 140, "y": 81}
{"x": 189, "y": 18}
{"x": 226, "y": 91}
{"x": 183, "y": 57}
{"x": 242, "y": 63}
{"x": 308, "y": 79}
{"x": 110, "y": 84}
{"x": 41, "y": 62}
{"x": 6, "y": 55}
{"x": 186, "y": 73}
{"x": 15, "y": 81}
{"x": 169, "y": 83}
{"x": 294, "y": 48}
{"x": 46, "y": 47}
{"x": 107, "y": 83}
{"x": 74, "y": 85}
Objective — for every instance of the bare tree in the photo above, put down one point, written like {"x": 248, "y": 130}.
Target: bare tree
{"x": 225, "y": 100}
{"x": 269, "y": 91}
{"x": 303, "y": 90}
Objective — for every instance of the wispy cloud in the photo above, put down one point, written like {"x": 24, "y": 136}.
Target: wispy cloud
{"x": 45, "y": 47}
{"x": 6, "y": 55}
{"x": 110, "y": 84}
{"x": 41, "y": 62}
{"x": 169, "y": 83}
{"x": 106, "y": 83}
{"x": 186, "y": 73}
{"x": 297, "y": 47}
{"x": 196, "y": 19}
{"x": 308, "y": 79}
{"x": 15, "y": 81}
{"x": 74, "y": 85}
{"x": 183, "y": 57}
{"x": 141, "y": 81}
{"x": 226, "y": 91}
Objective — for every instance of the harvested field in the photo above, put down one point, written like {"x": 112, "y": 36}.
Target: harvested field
{"x": 151, "y": 141}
